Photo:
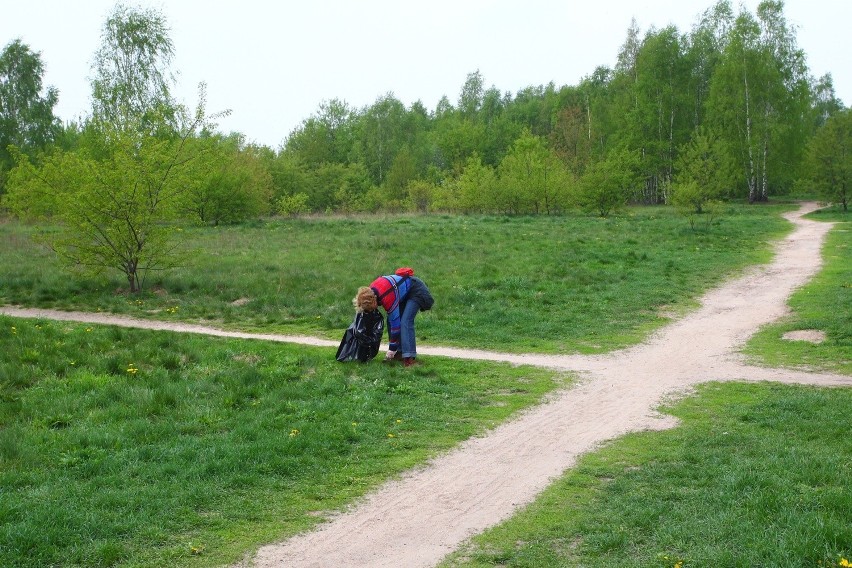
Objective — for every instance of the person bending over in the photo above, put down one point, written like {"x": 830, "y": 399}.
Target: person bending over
{"x": 401, "y": 295}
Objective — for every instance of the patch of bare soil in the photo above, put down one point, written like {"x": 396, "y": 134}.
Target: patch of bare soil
{"x": 809, "y": 335}
{"x": 416, "y": 520}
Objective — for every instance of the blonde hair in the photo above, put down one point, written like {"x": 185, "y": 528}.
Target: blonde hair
{"x": 365, "y": 300}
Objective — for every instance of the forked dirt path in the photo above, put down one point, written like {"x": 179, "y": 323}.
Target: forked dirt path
{"x": 418, "y": 519}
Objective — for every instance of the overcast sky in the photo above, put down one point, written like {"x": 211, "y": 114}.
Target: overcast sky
{"x": 273, "y": 62}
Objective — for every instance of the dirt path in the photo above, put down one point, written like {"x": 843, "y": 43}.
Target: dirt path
{"x": 416, "y": 520}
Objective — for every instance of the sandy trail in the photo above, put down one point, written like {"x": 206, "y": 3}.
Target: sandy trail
{"x": 418, "y": 519}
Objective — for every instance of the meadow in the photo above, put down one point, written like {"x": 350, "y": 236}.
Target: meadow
{"x": 547, "y": 284}
{"x": 127, "y": 447}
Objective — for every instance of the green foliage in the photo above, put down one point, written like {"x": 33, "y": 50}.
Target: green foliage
{"x": 830, "y": 159}
{"x": 132, "y": 79}
{"x": 739, "y": 75}
{"x": 111, "y": 209}
{"x": 476, "y": 188}
{"x": 421, "y": 194}
{"x": 325, "y": 137}
{"x": 532, "y": 179}
{"x": 705, "y": 173}
{"x": 760, "y": 100}
{"x": 293, "y": 205}
{"x": 606, "y": 185}
{"x": 26, "y": 109}
{"x": 228, "y": 182}
{"x": 135, "y": 448}
{"x": 754, "y": 475}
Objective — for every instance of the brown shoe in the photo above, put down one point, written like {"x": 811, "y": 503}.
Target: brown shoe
{"x": 410, "y": 362}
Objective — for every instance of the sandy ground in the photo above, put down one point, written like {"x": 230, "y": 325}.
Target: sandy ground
{"x": 416, "y": 520}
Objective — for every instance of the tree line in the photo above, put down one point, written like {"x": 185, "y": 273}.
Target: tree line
{"x": 728, "y": 109}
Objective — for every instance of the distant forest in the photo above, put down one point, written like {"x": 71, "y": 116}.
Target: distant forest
{"x": 726, "y": 110}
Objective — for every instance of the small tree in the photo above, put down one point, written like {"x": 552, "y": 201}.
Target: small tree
{"x": 704, "y": 173}
{"x": 113, "y": 199}
{"x": 114, "y": 211}
{"x": 476, "y": 187}
{"x": 605, "y": 186}
{"x": 829, "y": 159}
{"x": 533, "y": 176}
{"x": 420, "y": 193}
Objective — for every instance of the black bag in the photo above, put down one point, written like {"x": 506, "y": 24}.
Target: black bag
{"x": 362, "y": 338}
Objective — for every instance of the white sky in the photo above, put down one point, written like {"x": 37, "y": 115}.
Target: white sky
{"x": 273, "y": 62}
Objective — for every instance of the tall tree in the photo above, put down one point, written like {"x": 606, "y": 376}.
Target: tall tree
{"x": 325, "y": 137}
{"x": 830, "y": 159}
{"x": 381, "y": 133}
{"x": 472, "y": 95}
{"x": 705, "y": 45}
{"x": 660, "y": 120}
{"x": 26, "y": 108}
{"x": 760, "y": 99}
{"x": 132, "y": 77}
{"x": 825, "y": 101}
{"x": 114, "y": 196}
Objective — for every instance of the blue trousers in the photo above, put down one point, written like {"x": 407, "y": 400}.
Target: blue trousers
{"x": 408, "y": 343}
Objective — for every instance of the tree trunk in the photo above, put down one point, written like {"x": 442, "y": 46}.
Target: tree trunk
{"x": 132, "y": 276}
{"x": 750, "y": 174}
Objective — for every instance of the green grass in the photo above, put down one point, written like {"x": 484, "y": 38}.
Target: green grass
{"x": 823, "y": 304}
{"x": 123, "y": 447}
{"x": 755, "y": 475}
{"x": 134, "y": 448}
{"x": 548, "y": 284}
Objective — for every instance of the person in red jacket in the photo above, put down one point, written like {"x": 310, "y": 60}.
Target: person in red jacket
{"x": 401, "y": 295}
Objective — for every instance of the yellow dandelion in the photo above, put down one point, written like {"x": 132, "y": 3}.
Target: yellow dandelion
{"x": 391, "y": 435}
{"x": 14, "y": 330}
{"x": 294, "y": 432}
{"x": 399, "y": 421}
{"x": 131, "y": 368}
{"x": 844, "y": 563}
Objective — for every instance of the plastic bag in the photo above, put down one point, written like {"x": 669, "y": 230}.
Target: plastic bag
{"x": 363, "y": 337}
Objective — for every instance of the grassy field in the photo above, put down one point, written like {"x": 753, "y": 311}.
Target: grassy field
{"x": 127, "y": 447}
{"x": 133, "y": 448}
{"x": 824, "y": 304}
{"x": 548, "y": 284}
{"x": 755, "y": 475}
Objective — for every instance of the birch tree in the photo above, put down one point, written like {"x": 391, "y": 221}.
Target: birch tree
{"x": 760, "y": 97}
